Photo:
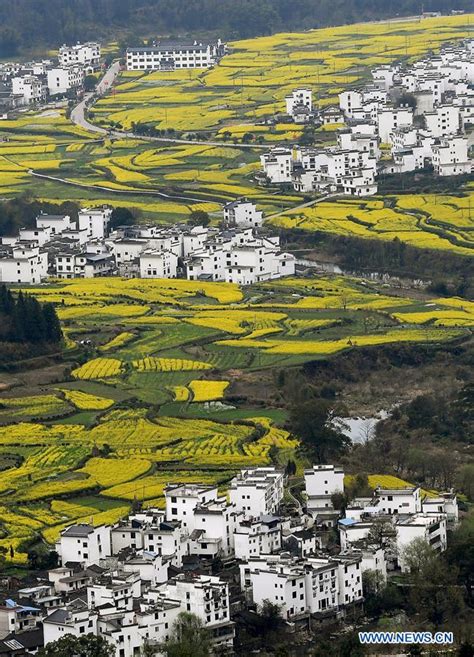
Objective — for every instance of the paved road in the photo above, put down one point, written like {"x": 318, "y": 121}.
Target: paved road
{"x": 78, "y": 117}
{"x": 307, "y": 204}
{"x": 134, "y": 192}
{"x": 78, "y": 113}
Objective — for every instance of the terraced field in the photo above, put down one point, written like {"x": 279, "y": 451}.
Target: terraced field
{"x": 251, "y": 82}
{"x": 230, "y": 103}
{"x": 427, "y": 221}
{"x": 155, "y": 407}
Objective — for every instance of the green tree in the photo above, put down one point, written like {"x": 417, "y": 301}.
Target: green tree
{"x": 53, "y": 332}
{"x": 189, "y": 638}
{"x": 314, "y": 422}
{"x": 460, "y": 555}
{"x": 121, "y": 217}
{"x": 90, "y": 82}
{"x": 72, "y": 646}
{"x": 199, "y": 218}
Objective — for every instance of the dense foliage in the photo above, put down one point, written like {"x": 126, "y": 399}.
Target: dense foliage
{"x": 21, "y": 212}
{"x": 84, "y": 646}
{"x": 24, "y": 319}
{"x": 27, "y": 23}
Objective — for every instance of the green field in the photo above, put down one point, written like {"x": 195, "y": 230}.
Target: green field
{"x": 225, "y": 103}
{"x": 154, "y": 408}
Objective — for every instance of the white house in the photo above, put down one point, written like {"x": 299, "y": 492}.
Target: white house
{"x": 390, "y": 118}
{"x": 84, "y": 544}
{"x": 450, "y": 156}
{"x": 158, "y": 264}
{"x": 75, "y": 619}
{"x": 214, "y": 526}
{"x": 63, "y": 78}
{"x": 16, "y": 617}
{"x": 256, "y": 536}
{"x": 86, "y": 55}
{"x": 298, "y": 98}
{"x": 350, "y": 101}
{"x": 430, "y": 528}
{"x": 321, "y": 482}
{"x": 207, "y": 597}
{"x": 95, "y": 221}
{"x": 242, "y": 213}
{"x": 31, "y": 88}
{"x": 169, "y": 55}
{"x": 257, "y": 491}
{"x": 57, "y": 223}
{"x": 24, "y": 262}
{"x": 277, "y": 164}
{"x": 398, "y": 500}
{"x": 443, "y": 120}
{"x": 182, "y": 500}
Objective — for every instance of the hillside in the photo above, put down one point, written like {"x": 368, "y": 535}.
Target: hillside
{"x": 36, "y": 23}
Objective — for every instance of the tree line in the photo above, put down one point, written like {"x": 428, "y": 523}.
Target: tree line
{"x": 24, "y": 319}
{"x": 30, "y": 24}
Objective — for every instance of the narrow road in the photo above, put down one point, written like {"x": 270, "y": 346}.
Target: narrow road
{"x": 307, "y": 204}
{"x": 78, "y": 113}
{"x": 78, "y": 117}
{"x": 134, "y": 192}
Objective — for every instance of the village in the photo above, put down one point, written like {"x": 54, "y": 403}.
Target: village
{"x": 216, "y": 555}
{"x": 239, "y": 252}
{"x": 409, "y": 118}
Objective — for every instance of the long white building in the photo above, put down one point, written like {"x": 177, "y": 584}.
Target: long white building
{"x": 169, "y": 55}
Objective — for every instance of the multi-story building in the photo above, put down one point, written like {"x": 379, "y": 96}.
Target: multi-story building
{"x": 398, "y": 500}
{"x": 429, "y": 527}
{"x": 321, "y": 482}
{"x": 182, "y": 500}
{"x": 443, "y": 120}
{"x": 450, "y": 156}
{"x": 158, "y": 264}
{"x": 95, "y": 221}
{"x": 257, "y": 492}
{"x": 84, "y": 544}
{"x": 169, "y": 55}
{"x": 207, "y": 597}
{"x": 257, "y": 536}
{"x": 277, "y": 165}
{"x": 86, "y": 55}
{"x": 297, "y": 99}
{"x": 65, "y": 78}
{"x": 23, "y": 262}
{"x": 243, "y": 214}
{"x": 390, "y": 118}
{"x": 30, "y": 87}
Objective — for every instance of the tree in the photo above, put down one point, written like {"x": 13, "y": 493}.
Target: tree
{"x": 314, "y": 422}
{"x": 199, "y": 218}
{"x": 90, "y": 82}
{"x": 87, "y": 645}
{"x": 189, "y": 638}
{"x": 121, "y": 217}
{"x": 417, "y": 555}
{"x": 460, "y": 554}
{"x": 53, "y": 332}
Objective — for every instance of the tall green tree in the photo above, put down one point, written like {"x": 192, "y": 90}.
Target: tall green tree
{"x": 87, "y": 645}
{"x": 314, "y": 421}
{"x": 189, "y": 638}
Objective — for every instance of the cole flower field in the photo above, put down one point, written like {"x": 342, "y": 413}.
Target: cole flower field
{"x": 227, "y": 102}
{"x": 155, "y": 409}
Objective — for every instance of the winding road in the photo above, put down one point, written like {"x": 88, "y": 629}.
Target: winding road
{"x": 78, "y": 116}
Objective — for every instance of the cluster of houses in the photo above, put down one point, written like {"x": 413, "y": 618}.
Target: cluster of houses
{"x": 165, "y": 55}
{"x": 32, "y": 83}
{"x": 128, "y": 582}
{"x": 239, "y": 252}
{"x": 409, "y": 117}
